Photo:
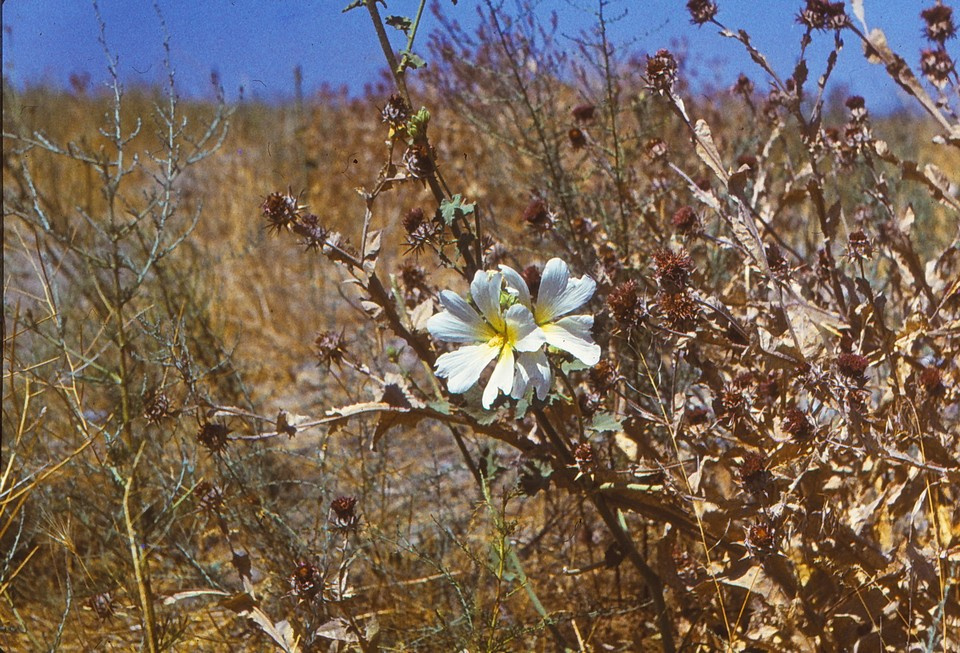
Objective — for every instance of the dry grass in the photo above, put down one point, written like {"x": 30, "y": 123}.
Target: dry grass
{"x": 770, "y": 462}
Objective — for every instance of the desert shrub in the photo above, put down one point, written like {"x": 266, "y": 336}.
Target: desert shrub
{"x": 723, "y": 412}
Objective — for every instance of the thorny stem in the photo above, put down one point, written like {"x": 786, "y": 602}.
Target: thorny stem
{"x": 398, "y": 78}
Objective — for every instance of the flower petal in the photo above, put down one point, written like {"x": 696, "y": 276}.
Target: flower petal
{"x": 523, "y": 334}
{"x": 485, "y": 290}
{"x": 462, "y": 368}
{"x": 459, "y": 306}
{"x": 553, "y": 281}
{"x": 578, "y": 292}
{"x": 564, "y": 294}
{"x": 451, "y": 326}
{"x": 572, "y": 334}
{"x": 516, "y": 283}
{"x": 502, "y": 378}
{"x": 532, "y": 369}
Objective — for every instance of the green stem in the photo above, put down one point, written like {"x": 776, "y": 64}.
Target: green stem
{"x": 510, "y": 554}
{"x": 416, "y": 24}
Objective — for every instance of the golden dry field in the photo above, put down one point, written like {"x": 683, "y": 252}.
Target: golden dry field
{"x": 230, "y": 420}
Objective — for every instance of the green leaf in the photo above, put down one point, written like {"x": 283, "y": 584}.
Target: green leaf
{"x": 401, "y": 23}
{"x": 454, "y": 207}
{"x": 479, "y": 415}
{"x": 442, "y": 406}
{"x": 605, "y": 422}
{"x": 411, "y": 60}
{"x": 523, "y": 405}
{"x": 573, "y": 366}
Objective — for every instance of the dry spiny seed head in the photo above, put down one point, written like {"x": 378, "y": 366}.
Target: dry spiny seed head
{"x": 330, "y": 348}
{"x": 680, "y": 309}
{"x": 852, "y": 365}
{"x": 672, "y": 269}
{"x": 859, "y": 245}
{"x": 531, "y": 274}
{"x": 213, "y": 436}
{"x": 209, "y": 497}
{"x": 662, "y": 72}
{"x": 102, "y": 605}
{"x": 577, "y": 138}
{"x": 589, "y": 403}
{"x": 584, "y": 112}
{"x": 157, "y": 407}
{"x": 306, "y": 581}
{"x": 626, "y": 304}
{"x": 419, "y": 161}
{"x": 313, "y": 235}
{"x": 583, "y": 455}
{"x": 396, "y": 112}
{"x": 281, "y": 211}
{"x": 412, "y": 219}
{"x": 413, "y": 277}
{"x": 753, "y": 473}
{"x": 731, "y": 404}
{"x": 760, "y": 538}
{"x": 797, "y": 425}
{"x": 743, "y": 86}
{"x": 939, "y": 23}
{"x": 421, "y": 237}
{"x": 685, "y": 220}
{"x": 344, "y": 511}
{"x": 701, "y": 11}
{"x": 603, "y": 376}
{"x": 823, "y": 15}
{"x": 537, "y": 216}
{"x": 857, "y": 107}
{"x": 936, "y": 65}
{"x": 656, "y": 149}
{"x": 931, "y": 381}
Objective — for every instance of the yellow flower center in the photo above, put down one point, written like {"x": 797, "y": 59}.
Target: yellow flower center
{"x": 508, "y": 338}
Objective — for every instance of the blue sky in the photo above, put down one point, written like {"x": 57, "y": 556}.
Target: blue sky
{"x": 257, "y": 43}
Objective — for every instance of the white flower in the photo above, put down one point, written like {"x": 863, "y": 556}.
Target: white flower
{"x": 491, "y": 333}
{"x": 558, "y": 295}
